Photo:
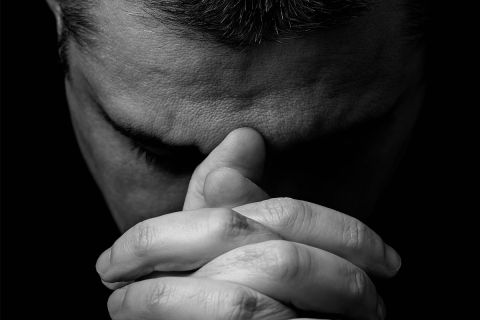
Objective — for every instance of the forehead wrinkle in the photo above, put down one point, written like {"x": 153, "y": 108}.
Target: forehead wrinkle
{"x": 236, "y": 76}
{"x": 228, "y": 81}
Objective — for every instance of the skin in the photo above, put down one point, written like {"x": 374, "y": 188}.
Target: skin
{"x": 306, "y": 257}
{"x": 331, "y": 111}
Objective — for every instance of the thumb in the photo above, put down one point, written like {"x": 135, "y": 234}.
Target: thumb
{"x": 227, "y": 188}
{"x": 243, "y": 150}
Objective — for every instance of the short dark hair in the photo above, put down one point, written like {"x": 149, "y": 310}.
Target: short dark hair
{"x": 235, "y": 23}
{"x": 240, "y": 23}
{"x": 76, "y": 25}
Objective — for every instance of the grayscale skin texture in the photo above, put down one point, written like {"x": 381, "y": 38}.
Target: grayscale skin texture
{"x": 321, "y": 120}
{"x": 301, "y": 92}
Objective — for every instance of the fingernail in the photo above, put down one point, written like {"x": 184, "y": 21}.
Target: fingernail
{"x": 380, "y": 309}
{"x": 393, "y": 259}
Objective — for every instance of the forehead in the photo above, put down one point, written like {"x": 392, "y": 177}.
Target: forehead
{"x": 190, "y": 91}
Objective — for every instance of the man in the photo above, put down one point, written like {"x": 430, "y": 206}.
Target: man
{"x": 197, "y": 118}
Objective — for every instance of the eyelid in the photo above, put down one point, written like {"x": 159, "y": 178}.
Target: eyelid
{"x": 152, "y": 158}
{"x": 164, "y": 161}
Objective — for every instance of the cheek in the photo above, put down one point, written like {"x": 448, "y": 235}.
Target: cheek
{"x": 133, "y": 197}
{"x": 134, "y": 190}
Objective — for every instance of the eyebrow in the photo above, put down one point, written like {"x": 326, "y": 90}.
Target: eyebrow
{"x": 175, "y": 158}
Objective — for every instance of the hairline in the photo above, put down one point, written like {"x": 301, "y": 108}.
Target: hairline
{"x": 78, "y": 25}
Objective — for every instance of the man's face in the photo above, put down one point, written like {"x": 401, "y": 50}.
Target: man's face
{"x": 187, "y": 92}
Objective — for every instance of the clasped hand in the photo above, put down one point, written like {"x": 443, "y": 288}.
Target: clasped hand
{"x": 234, "y": 253}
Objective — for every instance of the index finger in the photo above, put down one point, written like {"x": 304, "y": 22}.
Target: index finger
{"x": 327, "y": 229}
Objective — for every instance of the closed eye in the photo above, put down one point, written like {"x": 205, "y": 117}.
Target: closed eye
{"x": 155, "y": 152}
{"x": 180, "y": 161}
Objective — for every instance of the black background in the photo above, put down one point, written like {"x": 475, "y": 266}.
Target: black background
{"x": 55, "y": 224}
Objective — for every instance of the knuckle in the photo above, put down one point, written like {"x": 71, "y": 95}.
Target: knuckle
{"x": 230, "y": 224}
{"x": 355, "y": 233}
{"x": 282, "y": 260}
{"x": 157, "y": 295}
{"x": 243, "y": 305}
{"x": 357, "y": 283}
{"x": 143, "y": 238}
{"x": 284, "y": 211}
